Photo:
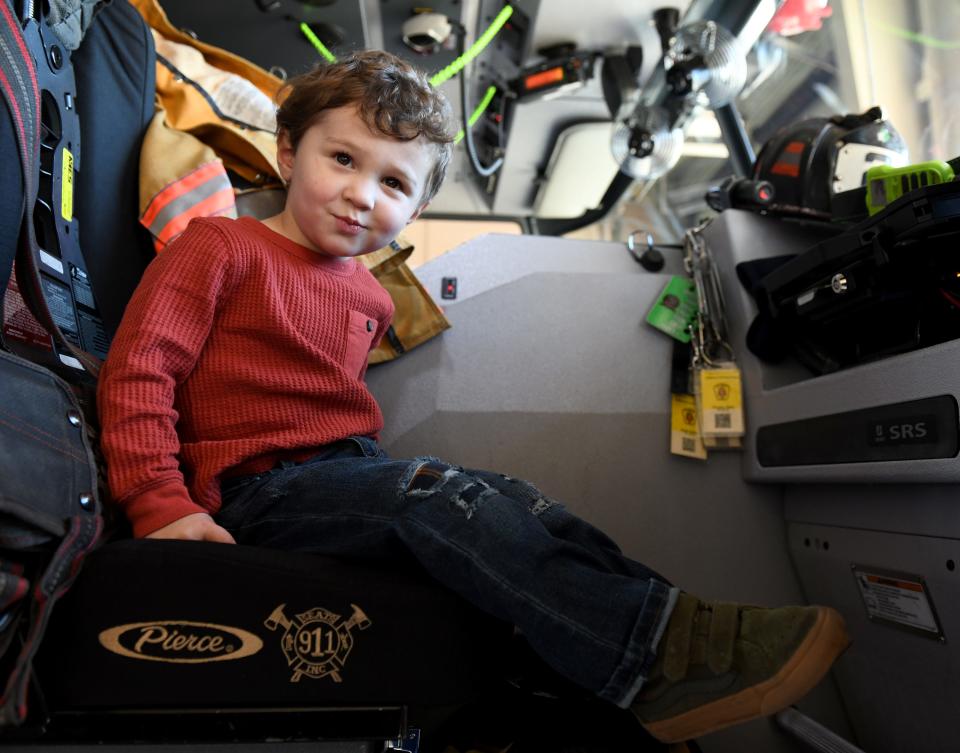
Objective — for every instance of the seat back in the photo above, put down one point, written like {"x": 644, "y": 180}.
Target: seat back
{"x": 49, "y": 501}
{"x": 80, "y": 241}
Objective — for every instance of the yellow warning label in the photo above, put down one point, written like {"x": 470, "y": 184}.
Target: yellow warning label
{"x": 66, "y": 191}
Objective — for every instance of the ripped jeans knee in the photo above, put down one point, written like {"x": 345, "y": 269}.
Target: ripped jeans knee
{"x": 429, "y": 477}
{"x": 535, "y": 500}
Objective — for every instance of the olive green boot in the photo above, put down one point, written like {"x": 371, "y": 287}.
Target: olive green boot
{"x": 721, "y": 664}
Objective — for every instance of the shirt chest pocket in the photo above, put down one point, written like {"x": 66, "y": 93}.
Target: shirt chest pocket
{"x": 361, "y": 330}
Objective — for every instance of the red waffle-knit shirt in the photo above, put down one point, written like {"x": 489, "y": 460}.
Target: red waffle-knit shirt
{"x": 239, "y": 348}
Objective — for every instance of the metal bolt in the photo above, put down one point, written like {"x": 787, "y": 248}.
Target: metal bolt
{"x": 74, "y": 418}
{"x": 838, "y": 283}
{"x": 56, "y": 58}
{"x": 86, "y": 502}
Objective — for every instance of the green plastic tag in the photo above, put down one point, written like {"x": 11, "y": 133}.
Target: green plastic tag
{"x": 675, "y": 308}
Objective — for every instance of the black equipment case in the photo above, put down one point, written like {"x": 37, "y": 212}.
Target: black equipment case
{"x": 886, "y": 285}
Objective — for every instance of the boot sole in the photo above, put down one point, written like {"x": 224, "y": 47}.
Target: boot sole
{"x": 813, "y": 658}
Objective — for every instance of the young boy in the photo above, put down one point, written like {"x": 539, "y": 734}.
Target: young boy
{"x": 233, "y": 409}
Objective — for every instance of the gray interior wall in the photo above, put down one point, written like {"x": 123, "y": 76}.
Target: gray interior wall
{"x": 550, "y": 373}
{"x": 901, "y": 688}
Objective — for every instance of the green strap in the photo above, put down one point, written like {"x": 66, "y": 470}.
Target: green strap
{"x": 676, "y": 651}
{"x": 723, "y": 633}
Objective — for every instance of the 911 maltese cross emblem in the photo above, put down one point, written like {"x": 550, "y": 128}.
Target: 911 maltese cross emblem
{"x": 317, "y": 642}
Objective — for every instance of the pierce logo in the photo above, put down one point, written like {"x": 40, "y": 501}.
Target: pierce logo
{"x": 180, "y": 642}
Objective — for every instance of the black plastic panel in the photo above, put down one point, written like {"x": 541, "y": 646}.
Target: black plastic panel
{"x": 914, "y": 430}
{"x": 271, "y": 38}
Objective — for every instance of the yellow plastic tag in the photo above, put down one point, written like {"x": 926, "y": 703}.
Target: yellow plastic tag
{"x": 66, "y": 190}
{"x": 684, "y": 436}
{"x": 720, "y": 400}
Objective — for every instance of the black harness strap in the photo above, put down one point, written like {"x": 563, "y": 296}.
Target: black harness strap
{"x": 20, "y": 44}
{"x": 48, "y": 499}
{"x": 21, "y": 92}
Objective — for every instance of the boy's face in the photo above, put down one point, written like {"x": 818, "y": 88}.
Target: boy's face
{"x": 350, "y": 190}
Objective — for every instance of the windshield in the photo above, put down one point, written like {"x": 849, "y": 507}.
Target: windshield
{"x": 900, "y": 55}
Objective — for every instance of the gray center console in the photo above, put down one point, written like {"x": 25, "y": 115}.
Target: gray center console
{"x": 868, "y": 459}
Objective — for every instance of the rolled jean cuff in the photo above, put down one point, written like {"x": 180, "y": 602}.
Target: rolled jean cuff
{"x": 641, "y": 652}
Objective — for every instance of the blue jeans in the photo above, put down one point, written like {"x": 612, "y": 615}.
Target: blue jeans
{"x": 591, "y": 613}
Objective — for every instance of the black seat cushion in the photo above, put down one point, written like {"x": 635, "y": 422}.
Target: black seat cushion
{"x": 174, "y": 624}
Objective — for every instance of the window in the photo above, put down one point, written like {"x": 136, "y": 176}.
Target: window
{"x": 901, "y": 55}
{"x": 432, "y": 238}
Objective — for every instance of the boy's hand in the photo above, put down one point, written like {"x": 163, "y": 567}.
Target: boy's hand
{"x": 196, "y": 527}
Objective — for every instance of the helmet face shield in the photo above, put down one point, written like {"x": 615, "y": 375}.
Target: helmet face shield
{"x": 863, "y": 148}
{"x": 853, "y": 161}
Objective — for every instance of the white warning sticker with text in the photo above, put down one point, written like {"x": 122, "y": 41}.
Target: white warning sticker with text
{"x": 902, "y": 599}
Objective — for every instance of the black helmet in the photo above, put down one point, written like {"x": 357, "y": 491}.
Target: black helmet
{"x": 812, "y": 160}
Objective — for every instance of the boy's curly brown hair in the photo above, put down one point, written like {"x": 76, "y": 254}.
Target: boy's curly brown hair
{"x": 392, "y": 97}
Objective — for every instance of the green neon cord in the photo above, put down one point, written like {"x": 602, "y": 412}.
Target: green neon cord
{"x": 475, "y": 49}
{"x": 451, "y": 70}
{"x": 924, "y": 39}
{"x": 484, "y": 104}
{"x": 315, "y": 41}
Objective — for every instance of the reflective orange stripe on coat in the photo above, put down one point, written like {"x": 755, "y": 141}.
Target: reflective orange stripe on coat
{"x": 203, "y": 192}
